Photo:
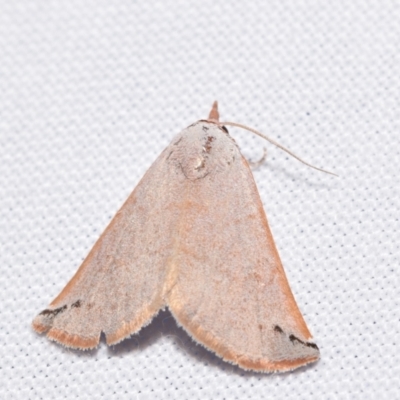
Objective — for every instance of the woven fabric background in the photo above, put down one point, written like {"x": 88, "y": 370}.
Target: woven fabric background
{"x": 91, "y": 91}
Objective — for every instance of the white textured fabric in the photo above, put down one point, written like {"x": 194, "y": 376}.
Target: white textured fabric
{"x": 90, "y": 94}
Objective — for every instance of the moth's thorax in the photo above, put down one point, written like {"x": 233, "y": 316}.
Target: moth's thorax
{"x": 201, "y": 149}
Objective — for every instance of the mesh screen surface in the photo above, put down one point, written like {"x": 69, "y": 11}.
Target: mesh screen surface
{"x": 92, "y": 92}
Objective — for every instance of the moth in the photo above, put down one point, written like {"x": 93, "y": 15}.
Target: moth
{"x": 192, "y": 237}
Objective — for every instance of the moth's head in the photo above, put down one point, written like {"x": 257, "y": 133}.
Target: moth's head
{"x": 213, "y": 117}
{"x": 214, "y": 114}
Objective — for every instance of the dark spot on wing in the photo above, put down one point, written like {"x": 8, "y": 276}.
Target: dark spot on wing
{"x": 293, "y": 339}
{"x": 205, "y": 128}
{"x": 278, "y": 329}
{"x": 77, "y": 304}
{"x": 260, "y": 327}
{"x": 53, "y": 313}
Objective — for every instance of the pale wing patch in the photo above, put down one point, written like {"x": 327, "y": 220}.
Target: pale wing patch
{"x": 119, "y": 287}
{"x": 228, "y": 288}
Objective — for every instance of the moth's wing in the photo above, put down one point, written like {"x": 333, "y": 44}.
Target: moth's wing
{"x": 119, "y": 287}
{"x": 229, "y": 289}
